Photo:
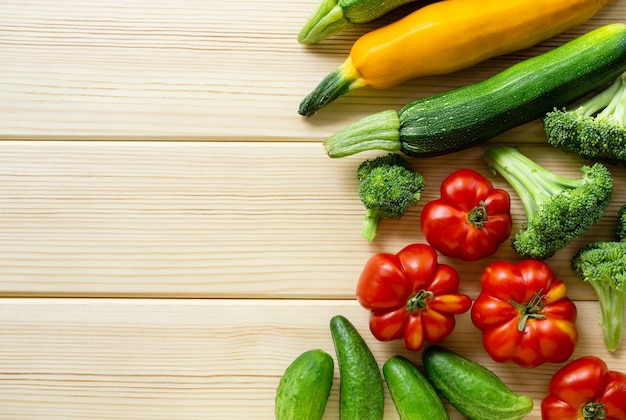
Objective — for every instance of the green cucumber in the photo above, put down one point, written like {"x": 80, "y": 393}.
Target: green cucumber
{"x": 412, "y": 394}
{"x": 333, "y": 16}
{"x": 471, "y": 388}
{"x": 464, "y": 117}
{"x": 304, "y": 388}
{"x": 361, "y": 389}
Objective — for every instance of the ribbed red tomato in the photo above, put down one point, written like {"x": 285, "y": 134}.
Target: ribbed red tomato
{"x": 411, "y": 296}
{"x": 470, "y": 219}
{"x": 524, "y": 314}
{"x": 585, "y": 389}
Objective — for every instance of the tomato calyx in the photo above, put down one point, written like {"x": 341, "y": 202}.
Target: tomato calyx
{"x": 532, "y": 310}
{"x": 478, "y": 216}
{"x": 594, "y": 411}
{"x": 419, "y": 301}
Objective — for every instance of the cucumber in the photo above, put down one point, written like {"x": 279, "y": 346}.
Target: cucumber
{"x": 412, "y": 394}
{"x": 304, "y": 388}
{"x": 471, "y": 388}
{"x": 361, "y": 389}
{"x": 464, "y": 117}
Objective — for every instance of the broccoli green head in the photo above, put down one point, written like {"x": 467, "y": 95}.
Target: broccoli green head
{"x": 388, "y": 187}
{"x": 603, "y": 265}
{"x": 593, "y": 138}
{"x": 558, "y": 209}
{"x": 596, "y": 129}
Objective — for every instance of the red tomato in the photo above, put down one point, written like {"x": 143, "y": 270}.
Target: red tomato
{"x": 585, "y": 389}
{"x": 524, "y": 314}
{"x": 470, "y": 220}
{"x": 411, "y": 296}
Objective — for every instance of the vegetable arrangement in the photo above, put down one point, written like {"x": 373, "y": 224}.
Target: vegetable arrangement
{"x": 444, "y": 37}
{"x": 522, "y": 310}
{"x": 584, "y": 389}
{"x": 464, "y": 117}
{"x": 470, "y": 387}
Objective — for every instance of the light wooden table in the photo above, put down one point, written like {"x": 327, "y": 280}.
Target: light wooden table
{"x": 172, "y": 234}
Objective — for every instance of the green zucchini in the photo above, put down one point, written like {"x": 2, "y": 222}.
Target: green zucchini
{"x": 361, "y": 389}
{"x": 333, "y": 16}
{"x": 412, "y": 394}
{"x": 304, "y": 388}
{"x": 471, "y": 388}
{"x": 464, "y": 117}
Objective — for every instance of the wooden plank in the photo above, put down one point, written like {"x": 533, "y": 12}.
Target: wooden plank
{"x": 256, "y": 212}
{"x": 219, "y": 359}
{"x": 215, "y": 219}
{"x": 188, "y": 69}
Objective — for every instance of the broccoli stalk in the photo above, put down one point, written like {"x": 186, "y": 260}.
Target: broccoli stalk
{"x": 558, "y": 209}
{"x": 388, "y": 187}
{"x": 603, "y": 265}
{"x": 596, "y": 129}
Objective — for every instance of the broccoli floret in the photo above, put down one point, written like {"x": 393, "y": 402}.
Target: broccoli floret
{"x": 596, "y": 129}
{"x": 388, "y": 187}
{"x": 603, "y": 265}
{"x": 558, "y": 209}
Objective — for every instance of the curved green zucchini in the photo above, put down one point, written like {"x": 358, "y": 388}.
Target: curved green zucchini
{"x": 334, "y": 16}
{"x": 470, "y": 115}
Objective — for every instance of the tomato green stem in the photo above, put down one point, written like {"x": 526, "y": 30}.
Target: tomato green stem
{"x": 594, "y": 411}
{"x": 478, "y": 216}
{"x": 419, "y": 300}
{"x": 531, "y": 310}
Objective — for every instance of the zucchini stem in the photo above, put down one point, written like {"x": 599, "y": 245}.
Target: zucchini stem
{"x": 379, "y": 131}
{"x": 327, "y": 20}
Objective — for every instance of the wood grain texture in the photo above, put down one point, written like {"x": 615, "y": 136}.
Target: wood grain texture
{"x": 198, "y": 359}
{"x": 172, "y": 234}
{"x": 190, "y": 69}
{"x": 216, "y": 219}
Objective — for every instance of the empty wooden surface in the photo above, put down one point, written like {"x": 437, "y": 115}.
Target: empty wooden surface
{"x": 172, "y": 234}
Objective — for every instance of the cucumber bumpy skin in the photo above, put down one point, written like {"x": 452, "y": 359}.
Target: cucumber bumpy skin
{"x": 464, "y": 117}
{"x": 304, "y": 388}
{"x": 414, "y": 397}
{"x": 471, "y": 388}
{"x": 361, "y": 388}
